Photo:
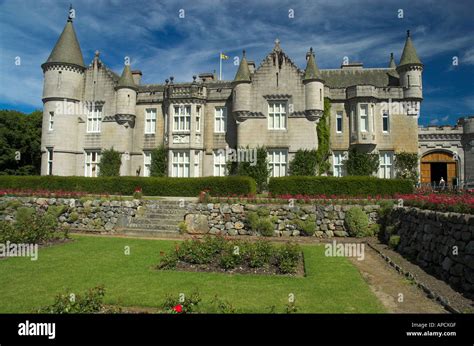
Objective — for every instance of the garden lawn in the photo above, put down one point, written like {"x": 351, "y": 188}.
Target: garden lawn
{"x": 332, "y": 284}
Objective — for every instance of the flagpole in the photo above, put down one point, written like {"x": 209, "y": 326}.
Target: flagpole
{"x": 220, "y": 66}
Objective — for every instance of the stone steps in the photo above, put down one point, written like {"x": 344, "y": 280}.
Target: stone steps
{"x": 158, "y": 233}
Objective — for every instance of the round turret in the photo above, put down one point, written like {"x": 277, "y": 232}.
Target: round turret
{"x": 241, "y": 89}
{"x": 313, "y": 88}
{"x": 410, "y": 71}
{"x": 126, "y": 93}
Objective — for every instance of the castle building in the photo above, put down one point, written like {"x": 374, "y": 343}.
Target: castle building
{"x": 447, "y": 152}
{"x": 89, "y": 108}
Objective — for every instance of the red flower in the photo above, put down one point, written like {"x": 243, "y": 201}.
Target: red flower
{"x": 178, "y": 308}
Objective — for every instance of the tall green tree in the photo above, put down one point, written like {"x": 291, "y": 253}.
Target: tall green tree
{"x": 323, "y": 131}
{"x": 304, "y": 163}
{"x": 159, "y": 162}
{"x": 20, "y": 142}
{"x": 260, "y": 171}
{"x": 361, "y": 163}
{"x": 110, "y": 162}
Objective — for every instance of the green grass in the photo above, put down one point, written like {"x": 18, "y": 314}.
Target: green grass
{"x": 332, "y": 284}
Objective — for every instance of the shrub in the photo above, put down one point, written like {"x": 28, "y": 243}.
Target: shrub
{"x": 223, "y": 306}
{"x": 188, "y": 303}
{"x": 406, "y": 166}
{"x": 288, "y": 257}
{"x": 258, "y": 253}
{"x": 183, "y": 227}
{"x": 260, "y": 172}
{"x": 151, "y": 186}
{"x": 308, "y": 227}
{"x": 74, "y": 216}
{"x": 304, "y": 163}
{"x": 394, "y": 241}
{"x": 110, "y": 162}
{"x": 357, "y": 222}
{"x": 361, "y": 163}
{"x": 159, "y": 162}
{"x": 168, "y": 261}
{"x": 347, "y": 186}
{"x": 69, "y": 303}
{"x": 259, "y": 222}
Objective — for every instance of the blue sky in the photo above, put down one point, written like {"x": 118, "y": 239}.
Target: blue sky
{"x": 161, "y": 44}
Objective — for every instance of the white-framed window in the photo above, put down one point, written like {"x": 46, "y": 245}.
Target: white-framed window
{"x": 182, "y": 118}
{"x": 339, "y": 122}
{"x": 277, "y": 115}
{"x": 386, "y": 163}
{"x": 338, "y": 163}
{"x": 220, "y": 120}
{"x": 91, "y": 164}
{"x": 180, "y": 164}
{"x": 277, "y": 162}
{"x": 385, "y": 122}
{"x": 197, "y": 160}
{"x": 364, "y": 117}
{"x": 51, "y": 121}
{"x": 50, "y": 161}
{"x": 219, "y": 163}
{"x": 150, "y": 121}
{"x": 198, "y": 118}
{"x": 94, "y": 118}
{"x": 146, "y": 163}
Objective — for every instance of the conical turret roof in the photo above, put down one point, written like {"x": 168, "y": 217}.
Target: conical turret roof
{"x": 409, "y": 55}
{"x": 243, "y": 73}
{"x": 392, "y": 64}
{"x": 67, "y": 49}
{"x": 311, "y": 71}
{"x": 126, "y": 80}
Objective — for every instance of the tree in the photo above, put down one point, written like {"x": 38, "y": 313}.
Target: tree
{"x": 260, "y": 172}
{"x": 20, "y": 142}
{"x": 304, "y": 163}
{"x": 361, "y": 163}
{"x": 323, "y": 131}
{"x": 110, "y": 162}
{"x": 406, "y": 166}
{"x": 159, "y": 162}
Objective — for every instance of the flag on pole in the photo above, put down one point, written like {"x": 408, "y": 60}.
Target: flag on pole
{"x": 222, "y": 56}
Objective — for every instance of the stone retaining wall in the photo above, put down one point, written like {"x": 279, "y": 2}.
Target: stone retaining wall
{"x": 230, "y": 219}
{"x": 97, "y": 215}
{"x": 441, "y": 243}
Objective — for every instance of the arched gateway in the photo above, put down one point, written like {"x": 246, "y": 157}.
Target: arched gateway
{"x": 438, "y": 164}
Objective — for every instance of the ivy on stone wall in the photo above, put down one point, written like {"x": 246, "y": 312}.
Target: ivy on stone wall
{"x": 323, "y": 131}
{"x": 110, "y": 162}
{"x": 159, "y": 162}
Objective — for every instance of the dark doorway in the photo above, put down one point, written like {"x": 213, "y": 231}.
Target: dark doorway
{"x": 438, "y": 170}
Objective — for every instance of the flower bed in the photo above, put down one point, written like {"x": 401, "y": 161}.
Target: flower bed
{"x": 461, "y": 203}
{"x": 218, "y": 254}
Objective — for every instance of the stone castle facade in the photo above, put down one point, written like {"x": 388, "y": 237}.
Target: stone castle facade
{"x": 277, "y": 105}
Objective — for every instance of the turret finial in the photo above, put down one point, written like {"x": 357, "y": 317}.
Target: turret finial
{"x": 243, "y": 53}
{"x": 71, "y": 14}
{"x": 408, "y": 33}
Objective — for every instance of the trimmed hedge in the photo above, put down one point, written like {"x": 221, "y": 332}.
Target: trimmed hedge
{"x": 349, "y": 186}
{"x": 151, "y": 186}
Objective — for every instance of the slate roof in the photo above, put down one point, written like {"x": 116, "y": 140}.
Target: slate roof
{"x": 243, "y": 73}
{"x": 311, "y": 71}
{"x": 343, "y": 78}
{"x": 126, "y": 80}
{"x": 67, "y": 49}
{"x": 409, "y": 55}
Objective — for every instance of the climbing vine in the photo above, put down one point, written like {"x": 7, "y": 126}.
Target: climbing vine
{"x": 323, "y": 131}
